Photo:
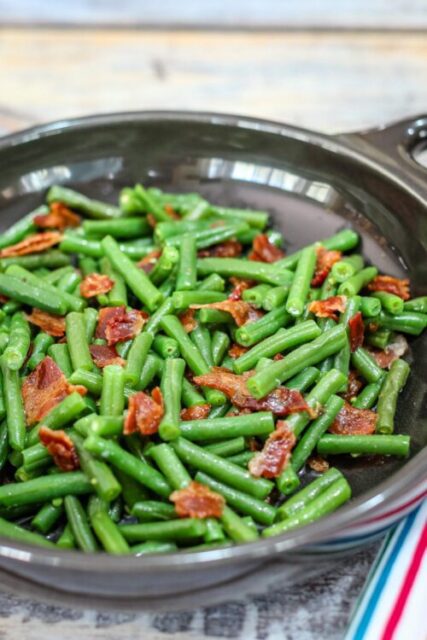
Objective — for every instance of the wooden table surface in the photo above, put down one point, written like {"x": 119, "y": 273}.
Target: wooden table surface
{"x": 329, "y": 80}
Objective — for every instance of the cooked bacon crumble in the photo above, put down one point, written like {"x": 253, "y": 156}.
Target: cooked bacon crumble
{"x": 197, "y": 501}
{"x": 397, "y": 286}
{"x": 36, "y": 243}
{"x": 95, "y": 284}
{"x": 49, "y": 323}
{"x": 328, "y": 308}
{"x": 275, "y": 454}
{"x": 115, "y": 324}
{"x": 61, "y": 448}
{"x": 144, "y": 413}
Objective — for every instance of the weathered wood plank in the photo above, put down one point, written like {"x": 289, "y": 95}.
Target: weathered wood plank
{"x": 380, "y": 14}
{"x": 328, "y": 81}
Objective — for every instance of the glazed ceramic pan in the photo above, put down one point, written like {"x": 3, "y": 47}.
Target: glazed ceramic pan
{"x": 313, "y": 185}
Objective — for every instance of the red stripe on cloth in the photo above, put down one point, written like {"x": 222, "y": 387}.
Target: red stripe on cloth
{"x": 407, "y": 585}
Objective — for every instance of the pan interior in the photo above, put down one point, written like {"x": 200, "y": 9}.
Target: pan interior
{"x": 310, "y": 189}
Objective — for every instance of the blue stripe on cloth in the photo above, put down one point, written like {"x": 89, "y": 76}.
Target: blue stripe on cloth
{"x": 389, "y": 556}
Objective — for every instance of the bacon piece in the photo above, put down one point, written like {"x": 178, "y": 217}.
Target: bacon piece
{"x": 147, "y": 262}
{"x": 242, "y": 312}
{"x": 171, "y": 212}
{"x": 104, "y": 355}
{"x": 325, "y": 260}
{"x": 354, "y": 422}
{"x": 188, "y": 320}
{"x": 356, "y": 330}
{"x": 227, "y": 249}
{"x": 397, "y": 286}
{"x": 236, "y": 350}
{"x": 281, "y": 401}
{"x": 61, "y": 448}
{"x": 59, "y": 217}
{"x": 393, "y": 351}
{"x": 48, "y": 322}
{"x": 354, "y": 386}
{"x": 151, "y": 220}
{"x": 278, "y": 356}
{"x": 328, "y": 308}
{"x": 240, "y": 285}
{"x": 196, "y": 412}
{"x": 318, "y": 464}
{"x": 95, "y": 284}
{"x": 144, "y": 413}
{"x": 275, "y": 454}
{"x": 264, "y": 250}
{"x": 115, "y": 324}
{"x": 33, "y": 244}
{"x": 44, "y": 388}
{"x": 197, "y": 501}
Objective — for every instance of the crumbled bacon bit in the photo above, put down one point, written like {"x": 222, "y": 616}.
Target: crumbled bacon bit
{"x": 353, "y": 421}
{"x": 397, "y": 286}
{"x": 240, "y": 285}
{"x": 393, "y": 351}
{"x": 61, "y": 448}
{"x": 104, "y": 355}
{"x": 318, "y": 464}
{"x": 151, "y": 220}
{"x": 171, "y": 212}
{"x": 188, "y": 320}
{"x": 328, "y": 308}
{"x": 44, "y": 388}
{"x": 147, "y": 262}
{"x": 325, "y": 260}
{"x": 242, "y": 312}
{"x": 281, "y": 401}
{"x": 33, "y": 244}
{"x": 227, "y": 249}
{"x": 49, "y": 323}
{"x": 355, "y": 384}
{"x": 3, "y": 299}
{"x": 197, "y": 501}
{"x": 59, "y": 217}
{"x": 144, "y": 413}
{"x": 236, "y": 350}
{"x": 196, "y": 412}
{"x": 278, "y": 356}
{"x": 95, "y": 284}
{"x": 264, "y": 250}
{"x": 115, "y": 324}
{"x": 356, "y": 330}
{"x": 275, "y": 454}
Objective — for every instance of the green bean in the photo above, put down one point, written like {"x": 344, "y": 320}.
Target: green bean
{"x": 98, "y": 473}
{"x": 77, "y": 341}
{"x": 49, "y": 259}
{"x": 66, "y": 539}
{"x": 69, "y": 282}
{"x": 282, "y": 340}
{"x": 236, "y": 528}
{"x": 171, "y": 386}
{"x": 260, "y": 272}
{"x": 220, "y": 346}
{"x": 21, "y": 228}
{"x": 304, "y": 380}
{"x": 165, "y": 230}
{"x": 190, "y": 397}
{"x": 107, "y": 532}
{"x": 69, "y": 409}
{"x": 122, "y": 348}
{"x": 15, "y": 532}
{"x": 214, "y": 531}
{"x": 41, "y": 344}
{"x": 14, "y": 408}
{"x": 256, "y": 295}
{"x": 128, "y": 463}
{"x": 136, "y": 358}
{"x": 254, "y": 424}
{"x": 187, "y": 274}
{"x": 370, "y": 307}
{"x": 211, "y": 236}
{"x": 416, "y": 304}
{"x": 368, "y": 396}
{"x": 214, "y": 282}
{"x": 353, "y": 285}
{"x": 389, "y": 302}
{"x": 275, "y": 297}
{"x": 153, "y": 322}
{"x": 308, "y": 354}
{"x": 121, "y": 228}
{"x": 35, "y": 455}
{"x": 411, "y": 322}
{"x": 380, "y": 338}
{"x": 201, "y": 337}
{"x": 19, "y": 342}
{"x": 221, "y": 469}
{"x": 242, "y": 459}
{"x": 226, "y": 448}
{"x": 134, "y": 277}
{"x": 150, "y": 204}
{"x": 385, "y": 445}
{"x": 165, "y": 264}
{"x": 182, "y": 529}
{"x": 27, "y": 293}
{"x": 305, "y": 496}
{"x": 61, "y": 355}
{"x": 132, "y": 250}
{"x": 152, "y": 547}
{"x": 262, "y": 512}
{"x": 151, "y": 510}
{"x": 184, "y": 299}
{"x": 4, "y": 444}
{"x": 79, "y": 525}
{"x": 252, "y": 332}
{"x": 301, "y": 282}
{"x": 166, "y": 347}
{"x": 132, "y": 491}
{"x": 170, "y": 465}
{"x": 44, "y": 489}
{"x": 318, "y": 427}
{"x": 112, "y": 396}
{"x": 47, "y": 517}
{"x": 257, "y": 219}
{"x": 106, "y": 426}
{"x": 347, "y": 267}
{"x": 88, "y": 206}
{"x": 394, "y": 382}
{"x": 214, "y": 316}
{"x": 153, "y": 366}
{"x": 344, "y": 240}
{"x": 366, "y": 365}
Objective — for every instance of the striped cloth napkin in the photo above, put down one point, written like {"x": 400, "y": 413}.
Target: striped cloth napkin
{"x": 393, "y": 603}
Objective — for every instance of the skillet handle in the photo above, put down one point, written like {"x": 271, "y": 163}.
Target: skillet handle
{"x": 396, "y": 146}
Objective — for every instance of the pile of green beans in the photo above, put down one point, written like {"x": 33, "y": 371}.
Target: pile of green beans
{"x": 119, "y": 498}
